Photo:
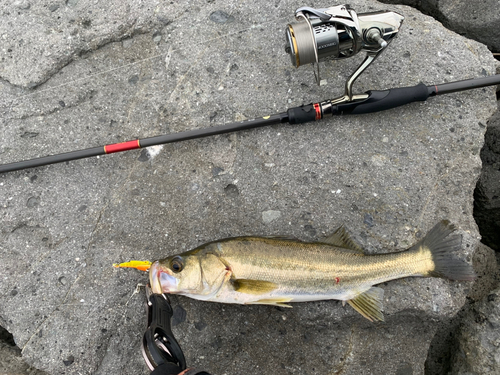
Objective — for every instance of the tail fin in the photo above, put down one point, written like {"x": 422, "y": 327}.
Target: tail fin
{"x": 442, "y": 244}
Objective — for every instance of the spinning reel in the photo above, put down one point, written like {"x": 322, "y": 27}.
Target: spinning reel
{"x": 333, "y": 33}
{"x": 337, "y": 33}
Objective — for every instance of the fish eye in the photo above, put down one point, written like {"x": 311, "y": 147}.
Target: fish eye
{"x": 177, "y": 264}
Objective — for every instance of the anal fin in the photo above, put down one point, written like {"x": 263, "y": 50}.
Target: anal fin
{"x": 272, "y": 301}
{"x": 370, "y": 304}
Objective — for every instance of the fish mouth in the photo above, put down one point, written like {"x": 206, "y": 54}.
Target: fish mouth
{"x": 161, "y": 280}
{"x": 154, "y": 279}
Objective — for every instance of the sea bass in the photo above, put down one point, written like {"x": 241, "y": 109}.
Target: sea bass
{"x": 276, "y": 271}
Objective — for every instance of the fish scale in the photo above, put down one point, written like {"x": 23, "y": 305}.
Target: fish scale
{"x": 276, "y": 271}
{"x": 310, "y": 262}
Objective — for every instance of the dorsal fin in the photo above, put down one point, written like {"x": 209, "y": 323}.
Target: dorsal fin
{"x": 342, "y": 239}
{"x": 283, "y": 238}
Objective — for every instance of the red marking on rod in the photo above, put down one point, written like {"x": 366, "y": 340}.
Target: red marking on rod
{"x": 318, "y": 111}
{"x": 337, "y": 280}
{"x": 123, "y": 146}
{"x": 436, "y": 89}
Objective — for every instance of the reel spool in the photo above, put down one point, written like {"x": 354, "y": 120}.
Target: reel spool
{"x": 338, "y": 33}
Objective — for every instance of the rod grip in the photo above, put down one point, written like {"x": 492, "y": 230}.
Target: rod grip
{"x": 380, "y": 100}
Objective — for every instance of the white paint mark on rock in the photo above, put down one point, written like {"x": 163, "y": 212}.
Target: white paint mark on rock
{"x": 154, "y": 151}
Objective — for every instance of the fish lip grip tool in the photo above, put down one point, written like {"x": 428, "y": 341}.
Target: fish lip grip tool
{"x": 159, "y": 346}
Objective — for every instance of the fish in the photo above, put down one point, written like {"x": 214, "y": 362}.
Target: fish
{"x": 278, "y": 270}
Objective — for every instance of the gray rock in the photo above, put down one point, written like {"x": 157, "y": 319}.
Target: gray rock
{"x": 443, "y": 346}
{"x": 11, "y": 362}
{"x": 44, "y": 37}
{"x": 388, "y": 177}
{"x": 479, "y": 338}
{"x": 478, "y": 20}
{"x": 487, "y": 193}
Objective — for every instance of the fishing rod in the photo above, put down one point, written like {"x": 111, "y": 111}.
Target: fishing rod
{"x": 317, "y": 34}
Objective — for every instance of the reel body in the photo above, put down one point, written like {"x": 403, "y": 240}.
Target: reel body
{"x": 339, "y": 32}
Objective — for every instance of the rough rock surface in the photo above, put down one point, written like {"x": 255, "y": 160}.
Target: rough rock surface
{"x": 478, "y": 20}
{"x": 443, "y": 346}
{"x": 487, "y": 193}
{"x": 136, "y": 69}
{"x": 478, "y": 338}
{"x": 41, "y": 37}
{"x": 11, "y": 362}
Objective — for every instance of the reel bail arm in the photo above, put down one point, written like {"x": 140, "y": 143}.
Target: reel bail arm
{"x": 339, "y": 32}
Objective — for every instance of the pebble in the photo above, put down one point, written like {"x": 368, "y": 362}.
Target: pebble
{"x": 32, "y": 202}
{"x": 22, "y": 5}
{"x": 220, "y": 16}
{"x": 269, "y": 216}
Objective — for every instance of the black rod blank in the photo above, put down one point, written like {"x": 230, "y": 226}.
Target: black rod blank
{"x": 146, "y": 142}
{"x": 374, "y": 102}
{"x": 468, "y": 84}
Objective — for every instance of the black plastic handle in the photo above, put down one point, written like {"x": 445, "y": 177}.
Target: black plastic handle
{"x": 159, "y": 331}
{"x": 381, "y": 100}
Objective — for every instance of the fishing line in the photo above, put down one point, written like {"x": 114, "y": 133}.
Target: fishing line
{"x": 337, "y": 33}
{"x": 132, "y": 64}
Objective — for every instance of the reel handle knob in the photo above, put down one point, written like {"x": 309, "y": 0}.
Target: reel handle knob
{"x": 373, "y": 35}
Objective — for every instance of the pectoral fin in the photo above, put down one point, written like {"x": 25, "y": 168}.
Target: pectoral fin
{"x": 370, "y": 304}
{"x": 256, "y": 287}
{"x": 272, "y": 301}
